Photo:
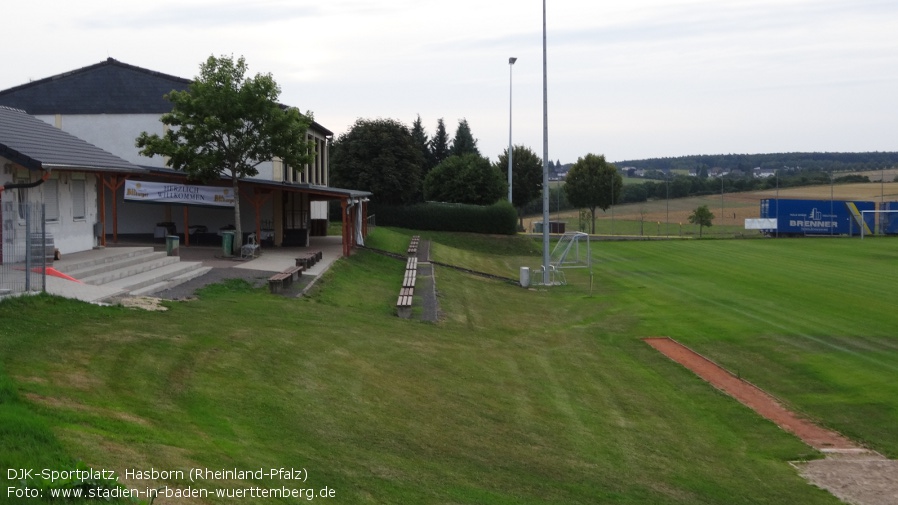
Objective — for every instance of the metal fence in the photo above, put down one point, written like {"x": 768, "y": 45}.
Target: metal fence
{"x": 27, "y": 249}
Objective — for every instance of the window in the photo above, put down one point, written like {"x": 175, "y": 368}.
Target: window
{"x": 51, "y": 200}
{"x": 79, "y": 207}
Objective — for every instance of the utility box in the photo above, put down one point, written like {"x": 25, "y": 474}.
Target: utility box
{"x": 525, "y": 277}
{"x": 227, "y": 243}
{"x": 555, "y": 227}
{"x": 172, "y": 243}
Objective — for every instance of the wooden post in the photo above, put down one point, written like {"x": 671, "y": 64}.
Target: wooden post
{"x": 258, "y": 199}
{"x": 101, "y": 188}
{"x": 113, "y": 184}
{"x": 186, "y": 227}
{"x": 346, "y": 243}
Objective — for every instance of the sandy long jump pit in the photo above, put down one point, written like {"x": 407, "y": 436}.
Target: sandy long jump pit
{"x": 850, "y": 472}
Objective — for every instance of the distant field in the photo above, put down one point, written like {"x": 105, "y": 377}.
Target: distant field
{"x": 887, "y": 175}
{"x": 514, "y": 397}
{"x": 662, "y": 217}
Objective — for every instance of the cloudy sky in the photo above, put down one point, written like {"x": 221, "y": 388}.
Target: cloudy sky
{"x": 634, "y": 79}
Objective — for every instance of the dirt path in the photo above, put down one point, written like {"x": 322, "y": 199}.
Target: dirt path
{"x": 850, "y": 472}
{"x": 427, "y": 284}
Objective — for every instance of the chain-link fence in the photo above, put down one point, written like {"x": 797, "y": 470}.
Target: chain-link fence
{"x": 27, "y": 248}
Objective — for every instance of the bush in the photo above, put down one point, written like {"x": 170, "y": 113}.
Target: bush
{"x": 468, "y": 178}
{"x": 499, "y": 218}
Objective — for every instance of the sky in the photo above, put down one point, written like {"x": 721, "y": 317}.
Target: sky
{"x": 630, "y": 80}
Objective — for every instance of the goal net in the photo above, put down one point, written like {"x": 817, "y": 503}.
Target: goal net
{"x": 572, "y": 251}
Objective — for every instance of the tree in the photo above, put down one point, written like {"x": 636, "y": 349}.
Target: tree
{"x": 464, "y": 142}
{"x": 680, "y": 186}
{"x": 632, "y": 193}
{"x": 465, "y": 179}
{"x": 378, "y": 155}
{"x": 226, "y": 124}
{"x": 526, "y": 175}
{"x": 439, "y": 144}
{"x": 419, "y": 138}
{"x": 592, "y": 182}
{"x": 701, "y": 216}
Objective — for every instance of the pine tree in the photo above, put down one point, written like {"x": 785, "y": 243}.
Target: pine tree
{"x": 464, "y": 142}
{"x": 419, "y": 137}
{"x": 439, "y": 144}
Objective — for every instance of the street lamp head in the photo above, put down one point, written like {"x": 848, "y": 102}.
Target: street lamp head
{"x": 512, "y": 60}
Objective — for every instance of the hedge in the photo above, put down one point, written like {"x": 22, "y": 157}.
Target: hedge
{"x": 499, "y": 218}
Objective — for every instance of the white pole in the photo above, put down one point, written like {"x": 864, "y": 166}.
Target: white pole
{"x": 510, "y": 149}
{"x": 545, "y": 159}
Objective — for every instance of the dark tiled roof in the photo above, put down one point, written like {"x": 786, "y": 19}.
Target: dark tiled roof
{"x": 34, "y": 144}
{"x": 108, "y": 87}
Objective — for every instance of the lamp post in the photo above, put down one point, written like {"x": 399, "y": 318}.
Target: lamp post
{"x": 545, "y": 158}
{"x": 667, "y": 203}
{"x": 510, "y": 149}
{"x": 831, "y": 202}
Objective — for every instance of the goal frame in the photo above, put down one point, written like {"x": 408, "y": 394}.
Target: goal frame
{"x": 876, "y": 222}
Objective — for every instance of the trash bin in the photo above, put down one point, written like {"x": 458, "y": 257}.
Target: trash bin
{"x": 227, "y": 243}
{"x": 171, "y": 245}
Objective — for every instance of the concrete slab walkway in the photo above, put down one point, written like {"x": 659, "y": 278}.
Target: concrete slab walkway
{"x": 270, "y": 260}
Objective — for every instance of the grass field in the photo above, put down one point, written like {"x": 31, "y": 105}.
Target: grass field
{"x": 671, "y": 218}
{"x": 516, "y": 396}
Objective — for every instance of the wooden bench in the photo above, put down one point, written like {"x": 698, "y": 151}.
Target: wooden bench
{"x": 306, "y": 260}
{"x": 407, "y": 291}
{"x": 413, "y": 245}
{"x": 404, "y": 302}
{"x": 409, "y": 280}
{"x": 282, "y": 280}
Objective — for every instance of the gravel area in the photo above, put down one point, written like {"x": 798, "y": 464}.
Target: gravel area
{"x": 257, "y": 278}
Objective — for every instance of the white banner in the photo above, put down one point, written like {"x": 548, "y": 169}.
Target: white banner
{"x": 760, "y": 224}
{"x": 160, "y": 192}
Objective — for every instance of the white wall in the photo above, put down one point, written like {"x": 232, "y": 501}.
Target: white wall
{"x": 115, "y": 133}
{"x": 70, "y": 234}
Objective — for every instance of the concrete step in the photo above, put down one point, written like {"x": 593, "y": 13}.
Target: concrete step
{"x": 155, "y": 276}
{"x": 130, "y": 268}
{"x": 86, "y": 260}
{"x": 170, "y": 283}
{"x": 97, "y": 271}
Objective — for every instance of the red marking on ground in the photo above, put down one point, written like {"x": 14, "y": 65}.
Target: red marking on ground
{"x": 751, "y": 396}
{"x": 56, "y": 273}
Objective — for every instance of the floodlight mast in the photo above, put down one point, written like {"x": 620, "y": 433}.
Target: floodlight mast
{"x": 545, "y": 160}
{"x": 510, "y": 66}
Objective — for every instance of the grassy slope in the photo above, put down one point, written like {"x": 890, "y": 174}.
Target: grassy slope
{"x": 544, "y": 397}
{"x": 810, "y": 320}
